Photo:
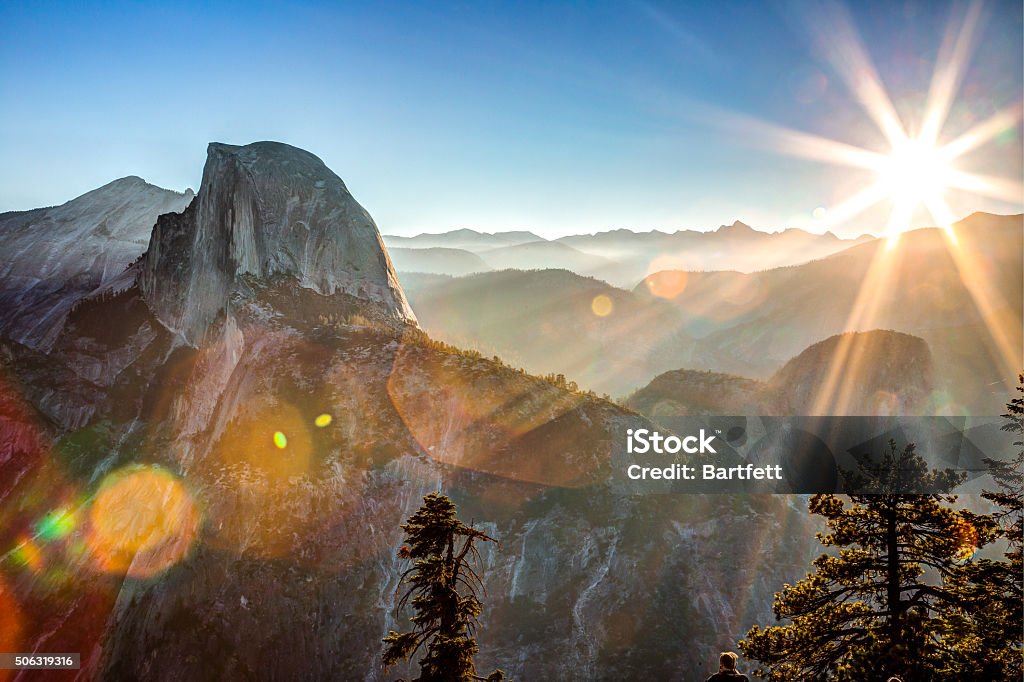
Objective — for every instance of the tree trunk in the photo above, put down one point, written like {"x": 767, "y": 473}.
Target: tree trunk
{"x": 449, "y": 605}
{"x": 893, "y": 603}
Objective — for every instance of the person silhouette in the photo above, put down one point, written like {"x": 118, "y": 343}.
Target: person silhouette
{"x": 727, "y": 669}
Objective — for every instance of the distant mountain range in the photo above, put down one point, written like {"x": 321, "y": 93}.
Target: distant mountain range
{"x": 467, "y": 239}
{"x": 545, "y": 321}
{"x": 750, "y": 324}
{"x": 620, "y": 257}
{"x": 437, "y": 260}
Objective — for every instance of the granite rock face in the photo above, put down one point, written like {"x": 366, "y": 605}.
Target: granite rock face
{"x": 54, "y": 257}
{"x": 264, "y": 209}
{"x": 266, "y": 305}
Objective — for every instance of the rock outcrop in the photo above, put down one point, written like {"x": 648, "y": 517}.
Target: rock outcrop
{"x": 879, "y": 372}
{"x": 264, "y": 209}
{"x": 882, "y": 373}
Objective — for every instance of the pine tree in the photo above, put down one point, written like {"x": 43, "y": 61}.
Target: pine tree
{"x": 1009, "y": 476}
{"x": 875, "y": 606}
{"x": 443, "y": 593}
{"x": 990, "y": 629}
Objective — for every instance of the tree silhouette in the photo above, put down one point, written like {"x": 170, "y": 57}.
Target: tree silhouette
{"x": 443, "y": 593}
{"x": 877, "y": 603}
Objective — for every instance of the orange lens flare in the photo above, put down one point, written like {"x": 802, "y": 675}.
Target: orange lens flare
{"x": 261, "y": 470}
{"x": 142, "y": 521}
{"x": 28, "y": 554}
{"x": 667, "y": 283}
{"x": 602, "y": 305}
{"x": 274, "y": 439}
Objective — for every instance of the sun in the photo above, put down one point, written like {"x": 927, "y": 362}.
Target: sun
{"x": 915, "y": 173}
{"x": 916, "y": 168}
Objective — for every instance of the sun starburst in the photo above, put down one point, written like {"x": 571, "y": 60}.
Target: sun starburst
{"x": 916, "y": 171}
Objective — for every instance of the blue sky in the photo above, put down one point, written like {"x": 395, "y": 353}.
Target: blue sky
{"x": 554, "y": 117}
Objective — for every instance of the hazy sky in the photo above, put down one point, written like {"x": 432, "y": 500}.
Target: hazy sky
{"x": 554, "y": 117}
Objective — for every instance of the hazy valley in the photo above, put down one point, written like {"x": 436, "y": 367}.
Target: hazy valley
{"x": 751, "y": 324}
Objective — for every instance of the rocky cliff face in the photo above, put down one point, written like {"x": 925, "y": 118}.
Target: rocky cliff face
{"x": 53, "y": 257}
{"x": 291, "y": 571}
{"x": 264, "y": 209}
{"x": 229, "y": 507}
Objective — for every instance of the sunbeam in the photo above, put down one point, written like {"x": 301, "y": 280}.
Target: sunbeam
{"x": 1002, "y": 120}
{"x": 949, "y": 68}
{"x": 844, "y": 50}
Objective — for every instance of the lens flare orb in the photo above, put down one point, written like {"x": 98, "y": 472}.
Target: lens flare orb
{"x": 56, "y": 525}
{"x": 667, "y": 283}
{"x": 602, "y": 305}
{"x": 142, "y": 521}
{"x": 28, "y": 554}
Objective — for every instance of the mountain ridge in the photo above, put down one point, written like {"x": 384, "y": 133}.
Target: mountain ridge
{"x": 884, "y": 373}
{"x": 532, "y": 236}
{"x": 56, "y": 256}
{"x": 751, "y": 323}
{"x": 622, "y": 257}
{"x": 127, "y": 180}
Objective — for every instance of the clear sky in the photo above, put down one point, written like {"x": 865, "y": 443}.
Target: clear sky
{"x": 554, "y": 117}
